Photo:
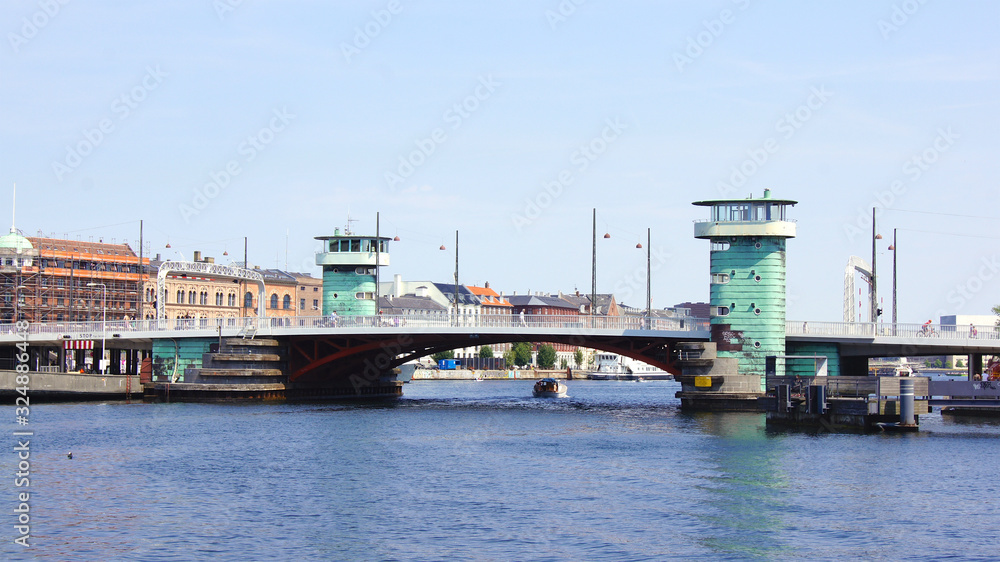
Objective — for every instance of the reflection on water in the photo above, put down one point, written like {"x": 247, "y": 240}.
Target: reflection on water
{"x": 480, "y": 470}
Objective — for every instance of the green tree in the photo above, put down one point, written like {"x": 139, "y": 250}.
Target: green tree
{"x": 508, "y": 358}
{"x": 563, "y": 363}
{"x": 947, "y": 364}
{"x": 546, "y": 357}
{"x": 485, "y": 352}
{"x": 522, "y": 353}
{"x": 578, "y": 357}
{"x": 961, "y": 363}
{"x": 450, "y": 354}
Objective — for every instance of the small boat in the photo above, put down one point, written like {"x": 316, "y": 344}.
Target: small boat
{"x": 549, "y": 388}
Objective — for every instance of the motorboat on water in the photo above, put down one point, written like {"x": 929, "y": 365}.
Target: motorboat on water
{"x": 549, "y": 388}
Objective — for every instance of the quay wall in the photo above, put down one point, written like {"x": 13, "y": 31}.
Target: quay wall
{"x": 79, "y": 386}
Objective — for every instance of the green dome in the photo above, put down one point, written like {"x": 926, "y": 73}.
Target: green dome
{"x": 15, "y": 241}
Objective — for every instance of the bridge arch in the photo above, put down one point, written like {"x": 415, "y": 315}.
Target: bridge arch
{"x": 318, "y": 357}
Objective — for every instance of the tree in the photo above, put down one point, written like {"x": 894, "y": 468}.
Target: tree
{"x": 546, "y": 357}
{"x": 578, "y": 357}
{"x": 508, "y": 358}
{"x": 522, "y": 353}
{"x": 450, "y": 354}
{"x": 563, "y": 363}
{"x": 485, "y": 352}
{"x": 961, "y": 363}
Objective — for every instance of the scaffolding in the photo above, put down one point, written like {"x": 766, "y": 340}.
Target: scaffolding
{"x": 68, "y": 280}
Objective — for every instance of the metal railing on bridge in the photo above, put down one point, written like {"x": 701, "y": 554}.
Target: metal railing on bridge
{"x": 869, "y": 330}
{"x": 95, "y": 329}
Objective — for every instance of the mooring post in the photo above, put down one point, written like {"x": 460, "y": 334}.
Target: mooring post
{"x": 906, "y": 401}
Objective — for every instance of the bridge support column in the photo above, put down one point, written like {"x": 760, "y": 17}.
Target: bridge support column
{"x": 975, "y": 365}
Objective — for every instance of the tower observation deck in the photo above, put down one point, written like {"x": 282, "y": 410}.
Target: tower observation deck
{"x": 349, "y": 263}
{"x": 747, "y": 288}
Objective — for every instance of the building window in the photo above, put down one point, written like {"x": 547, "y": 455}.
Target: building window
{"x": 719, "y": 245}
{"x": 191, "y": 297}
{"x": 364, "y": 296}
{"x": 274, "y": 300}
{"x": 180, "y": 297}
{"x": 286, "y": 302}
{"x": 231, "y": 301}
{"x": 218, "y": 299}
{"x": 720, "y": 278}
{"x": 248, "y": 300}
{"x": 302, "y": 304}
{"x": 721, "y": 311}
{"x": 203, "y": 297}
{"x": 315, "y": 304}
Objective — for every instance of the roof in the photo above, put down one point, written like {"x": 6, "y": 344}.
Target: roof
{"x": 15, "y": 241}
{"x": 465, "y": 296}
{"x": 540, "y": 300}
{"x": 78, "y": 246}
{"x": 410, "y": 301}
{"x": 488, "y": 296}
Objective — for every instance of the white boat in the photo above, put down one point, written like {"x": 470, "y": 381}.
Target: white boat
{"x": 611, "y": 366}
{"x": 549, "y": 388}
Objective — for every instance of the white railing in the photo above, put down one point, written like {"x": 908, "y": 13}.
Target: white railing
{"x": 869, "y": 330}
{"x": 97, "y": 329}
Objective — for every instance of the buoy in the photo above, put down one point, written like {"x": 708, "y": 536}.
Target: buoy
{"x": 69, "y": 455}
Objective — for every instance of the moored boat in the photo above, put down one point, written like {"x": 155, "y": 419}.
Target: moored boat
{"x": 549, "y": 388}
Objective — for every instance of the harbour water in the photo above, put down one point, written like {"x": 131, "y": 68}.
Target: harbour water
{"x": 481, "y": 471}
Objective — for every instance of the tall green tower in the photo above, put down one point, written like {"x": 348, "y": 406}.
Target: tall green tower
{"x": 349, "y": 265}
{"x": 748, "y": 278}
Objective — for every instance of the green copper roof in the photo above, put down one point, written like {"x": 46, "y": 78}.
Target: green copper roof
{"x": 15, "y": 241}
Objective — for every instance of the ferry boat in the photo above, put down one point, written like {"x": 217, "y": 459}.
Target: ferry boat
{"x": 611, "y": 366}
{"x": 549, "y": 388}
{"x": 890, "y": 369}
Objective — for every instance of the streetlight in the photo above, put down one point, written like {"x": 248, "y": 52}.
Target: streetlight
{"x": 876, "y": 311}
{"x": 593, "y": 280}
{"x": 649, "y": 299}
{"x": 456, "y": 275}
{"x": 893, "y": 248}
{"x": 104, "y": 319}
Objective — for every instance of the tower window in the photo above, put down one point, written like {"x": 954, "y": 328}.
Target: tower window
{"x": 719, "y": 245}
{"x": 756, "y": 278}
{"x": 722, "y": 311}
{"x": 720, "y": 278}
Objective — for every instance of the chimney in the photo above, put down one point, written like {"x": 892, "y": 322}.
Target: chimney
{"x": 209, "y": 260}
{"x": 197, "y": 255}
{"x": 487, "y": 284}
{"x": 397, "y": 285}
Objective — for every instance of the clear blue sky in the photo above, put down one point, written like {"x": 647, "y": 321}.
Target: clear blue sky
{"x": 311, "y": 105}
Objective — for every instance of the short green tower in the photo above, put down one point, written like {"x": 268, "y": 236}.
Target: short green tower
{"x": 349, "y": 265}
{"x": 748, "y": 278}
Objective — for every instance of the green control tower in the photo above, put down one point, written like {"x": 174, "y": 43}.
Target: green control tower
{"x": 748, "y": 278}
{"x": 349, "y": 266}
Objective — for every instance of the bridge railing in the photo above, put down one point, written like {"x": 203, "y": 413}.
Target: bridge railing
{"x": 97, "y": 329}
{"x": 868, "y": 329}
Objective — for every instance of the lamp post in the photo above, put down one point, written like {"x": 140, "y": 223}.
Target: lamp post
{"x": 649, "y": 300}
{"x": 104, "y": 319}
{"x": 874, "y": 290}
{"x": 894, "y": 277}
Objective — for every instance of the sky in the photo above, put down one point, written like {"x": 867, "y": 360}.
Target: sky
{"x": 509, "y": 123}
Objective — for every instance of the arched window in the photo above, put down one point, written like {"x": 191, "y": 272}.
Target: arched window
{"x": 231, "y": 301}
{"x": 286, "y": 302}
{"x": 218, "y": 300}
{"x": 248, "y": 300}
{"x": 274, "y": 300}
{"x": 180, "y": 297}
{"x": 191, "y": 297}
